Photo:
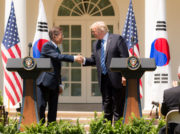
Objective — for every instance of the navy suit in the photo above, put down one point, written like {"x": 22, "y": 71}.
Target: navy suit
{"x": 48, "y": 82}
{"x": 112, "y": 90}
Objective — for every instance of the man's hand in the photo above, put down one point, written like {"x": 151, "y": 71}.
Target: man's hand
{"x": 123, "y": 81}
{"x": 60, "y": 90}
{"x": 79, "y": 59}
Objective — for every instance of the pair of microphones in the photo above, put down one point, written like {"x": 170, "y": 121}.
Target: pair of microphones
{"x": 155, "y": 103}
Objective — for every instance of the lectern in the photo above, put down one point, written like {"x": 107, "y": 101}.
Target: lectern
{"x": 132, "y": 69}
{"x": 29, "y": 69}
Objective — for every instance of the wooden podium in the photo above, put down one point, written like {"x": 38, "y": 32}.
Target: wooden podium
{"x": 29, "y": 110}
{"x": 132, "y": 99}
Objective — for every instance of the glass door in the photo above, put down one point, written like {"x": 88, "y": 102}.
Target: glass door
{"x": 80, "y": 83}
{"x": 72, "y": 73}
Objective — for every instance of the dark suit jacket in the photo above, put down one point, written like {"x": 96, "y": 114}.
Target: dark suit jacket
{"x": 52, "y": 79}
{"x": 171, "y": 100}
{"x": 116, "y": 47}
{"x": 177, "y": 129}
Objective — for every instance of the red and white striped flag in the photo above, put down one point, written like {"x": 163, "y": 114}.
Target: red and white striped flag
{"x": 131, "y": 37}
{"x": 11, "y": 49}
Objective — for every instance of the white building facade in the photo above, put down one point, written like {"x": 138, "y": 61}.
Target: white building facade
{"x": 75, "y": 17}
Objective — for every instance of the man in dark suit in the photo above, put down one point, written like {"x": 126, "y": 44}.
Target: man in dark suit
{"x": 106, "y": 47}
{"x": 171, "y": 101}
{"x": 49, "y": 83}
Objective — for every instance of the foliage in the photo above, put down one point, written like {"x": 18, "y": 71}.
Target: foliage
{"x": 11, "y": 128}
{"x": 61, "y": 127}
{"x": 135, "y": 126}
{"x": 35, "y": 129}
{"x": 97, "y": 126}
{"x": 67, "y": 128}
{"x": 161, "y": 123}
{"x": 140, "y": 126}
{"x": 1, "y": 98}
{"x": 100, "y": 125}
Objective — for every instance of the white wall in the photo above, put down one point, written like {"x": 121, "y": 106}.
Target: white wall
{"x": 173, "y": 21}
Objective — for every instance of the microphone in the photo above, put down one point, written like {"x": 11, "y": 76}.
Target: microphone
{"x": 30, "y": 45}
{"x": 155, "y": 103}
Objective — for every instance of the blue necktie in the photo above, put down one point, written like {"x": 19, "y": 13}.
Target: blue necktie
{"x": 57, "y": 49}
{"x": 103, "y": 66}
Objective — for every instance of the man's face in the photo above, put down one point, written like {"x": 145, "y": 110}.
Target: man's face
{"x": 97, "y": 33}
{"x": 58, "y": 38}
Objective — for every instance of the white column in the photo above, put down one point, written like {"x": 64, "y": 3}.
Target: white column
{"x": 150, "y": 14}
{"x": 20, "y": 12}
{"x": 20, "y": 9}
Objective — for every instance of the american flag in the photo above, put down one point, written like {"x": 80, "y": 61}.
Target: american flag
{"x": 11, "y": 49}
{"x": 131, "y": 37}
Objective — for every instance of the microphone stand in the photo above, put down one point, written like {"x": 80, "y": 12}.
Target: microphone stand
{"x": 151, "y": 111}
{"x": 157, "y": 113}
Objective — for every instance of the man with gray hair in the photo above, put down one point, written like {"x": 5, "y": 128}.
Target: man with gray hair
{"x": 171, "y": 101}
{"x": 106, "y": 47}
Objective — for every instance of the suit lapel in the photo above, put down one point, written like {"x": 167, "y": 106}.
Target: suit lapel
{"x": 56, "y": 48}
{"x": 98, "y": 46}
{"x": 108, "y": 44}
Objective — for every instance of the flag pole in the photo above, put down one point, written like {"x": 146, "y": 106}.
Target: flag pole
{"x": 132, "y": 44}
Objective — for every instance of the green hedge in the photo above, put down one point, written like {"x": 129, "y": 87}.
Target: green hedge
{"x": 135, "y": 126}
{"x": 97, "y": 126}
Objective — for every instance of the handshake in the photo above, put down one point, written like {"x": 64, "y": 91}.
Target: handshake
{"x": 79, "y": 59}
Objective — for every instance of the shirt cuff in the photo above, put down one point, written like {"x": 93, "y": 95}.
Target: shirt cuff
{"x": 84, "y": 61}
{"x": 75, "y": 57}
{"x": 62, "y": 86}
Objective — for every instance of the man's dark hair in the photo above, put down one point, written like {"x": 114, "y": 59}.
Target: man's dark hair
{"x": 54, "y": 32}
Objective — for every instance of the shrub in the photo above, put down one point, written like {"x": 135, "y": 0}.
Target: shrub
{"x": 67, "y": 128}
{"x": 97, "y": 126}
{"x": 135, "y": 126}
{"x": 61, "y": 127}
{"x": 11, "y": 128}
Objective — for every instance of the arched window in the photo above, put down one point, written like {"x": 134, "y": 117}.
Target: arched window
{"x": 90, "y": 7}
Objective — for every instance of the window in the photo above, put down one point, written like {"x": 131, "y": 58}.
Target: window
{"x": 90, "y": 7}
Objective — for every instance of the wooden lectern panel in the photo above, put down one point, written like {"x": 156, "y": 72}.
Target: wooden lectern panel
{"x": 29, "y": 105}
{"x": 29, "y": 110}
{"x": 132, "y": 102}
